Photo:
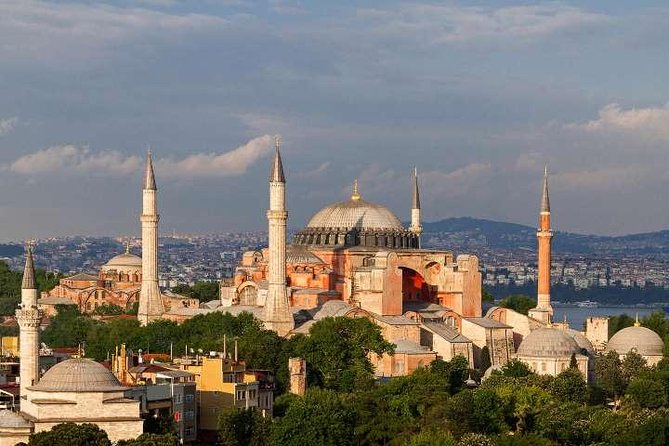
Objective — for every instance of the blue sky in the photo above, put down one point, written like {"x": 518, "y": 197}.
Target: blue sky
{"x": 477, "y": 95}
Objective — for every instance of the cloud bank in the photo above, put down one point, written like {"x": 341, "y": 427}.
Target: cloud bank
{"x": 71, "y": 159}
{"x": 650, "y": 122}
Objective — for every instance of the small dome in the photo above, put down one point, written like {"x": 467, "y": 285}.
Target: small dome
{"x": 125, "y": 263}
{"x": 548, "y": 343}
{"x": 640, "y": 339}
{"x": 78, "y": 375}
{"x": 355, "y": 213}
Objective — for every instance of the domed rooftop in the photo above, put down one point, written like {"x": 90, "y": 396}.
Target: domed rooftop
{"x": 126, "y": 262}
{"x": 355, "y": 213}
{"x": 548, "y": 342}
{"x": 78, "y": 375}
{"x": 640, "y": 339}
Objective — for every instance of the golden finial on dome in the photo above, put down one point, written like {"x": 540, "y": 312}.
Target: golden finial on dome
{"x": 127, "y": 246}
{"x": 355, "y": 196}
{"x": 636, "y": 321}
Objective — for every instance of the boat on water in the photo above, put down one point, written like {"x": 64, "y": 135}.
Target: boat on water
{"x": 587, "y": 304}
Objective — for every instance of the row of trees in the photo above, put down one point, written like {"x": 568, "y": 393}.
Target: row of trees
{"x": 10, "y": 286}
{"x": 433, "y": 407}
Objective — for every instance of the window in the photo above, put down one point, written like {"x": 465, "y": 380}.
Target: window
{"x": 177, "y": 398}
{"x": 543, "y": 366}
{"x": 188, "y": 431}
{"x": 252, "y": 394}
{"x": 399, "y": 367}
{"x": 241, "y": 395}
{"x": 189, "y": 398}
{"x": 189, "y": 414}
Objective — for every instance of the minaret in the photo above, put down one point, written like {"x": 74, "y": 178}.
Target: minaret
{"x": 544, "y": 310}
{"x": 415, "y": 227}
{"x": 29, "y": 318}
{"x": 150, "y": 303}
{"x": 277, "y": 314}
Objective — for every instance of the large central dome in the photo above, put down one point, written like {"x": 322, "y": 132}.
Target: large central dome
{"x": 356, "y": 222}
{"x": 355, "y": 213}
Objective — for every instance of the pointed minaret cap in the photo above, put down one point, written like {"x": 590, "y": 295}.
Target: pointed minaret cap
{"x": 28, "y": 282}
{"x": 416, "y": 192}
{"x": 149, "y": 178}
{"x": 545, "y": 202}
{"x": 355, "y": 195}
{"x": 277, "y": 176}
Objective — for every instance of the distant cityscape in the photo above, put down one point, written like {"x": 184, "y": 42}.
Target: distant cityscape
{"x": 186, "y": 259}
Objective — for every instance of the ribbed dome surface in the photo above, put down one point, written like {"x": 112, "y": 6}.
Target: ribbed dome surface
{"x": 640, "y": 339}
{"x": 78, "y": 375}
{"x": 548, "y": 343}
{"x": 355, "y": 213}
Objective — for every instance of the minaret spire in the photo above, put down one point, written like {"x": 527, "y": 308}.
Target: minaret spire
{"x": 149, "y": 177}
{"x": 277, "y": 314}
{"x": 545, "y": 201}
{"x": 416, "y": 227}
{"x": 276, "y": 175}
{"x": 29, "y": 317}
{"x": 150, "y": 301}
{"x": 28, "y": 282}
{"x": 544, "y": 310}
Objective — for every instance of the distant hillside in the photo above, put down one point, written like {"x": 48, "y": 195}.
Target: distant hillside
{"x": 467, "y": 232}
{"x": 10, "y": 250}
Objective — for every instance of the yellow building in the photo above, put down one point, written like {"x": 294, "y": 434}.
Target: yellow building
{"x": 222, "y": 383}
{"x": 10, "y": 346}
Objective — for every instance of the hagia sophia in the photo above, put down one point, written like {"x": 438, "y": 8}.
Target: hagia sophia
{"x": 353, "y": 258}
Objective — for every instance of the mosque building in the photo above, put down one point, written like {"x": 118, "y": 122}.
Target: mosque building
{"x": 355, "y": 258}
{"x": 75, "y": 390}
{"x": 126, "y": 279}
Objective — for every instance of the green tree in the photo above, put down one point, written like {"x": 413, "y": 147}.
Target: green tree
{"x": 521, "y": 440}
{"x": 569, "y": 386}
{"x": 632, "y": 365}
{"x": 337, "y": 352}
{"x": 608, "y": 370}
{"x": 657, "y": 322}
{"x": 475, "y": 439}
{"x": 432, "y": 438}
{"x": 320, "y": 418}
{"x": 646, "y": 393}
{"x": 71, "y": 434}
{"x": 487, "y": 297}
{"x": 519, "y": 303}
{"x": 243, "y": 427}
{"x": 68, "y": 328}
{"x": 148, "y": 439}
{"x": 573, "y": 363}
{"x": 515, "y": 369}
{"x": 206, "y": 291}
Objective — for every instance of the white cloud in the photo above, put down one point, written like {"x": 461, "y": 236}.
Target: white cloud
{"x": 7, "y": 125}
{"x": 455, "y": 24}
{"x": 650, "y": 122}
{"x": 35, "y": 30}
{"x": 75, "y": 159}
{"x": 234, "y": 162}
{"x": 71, "y": 159}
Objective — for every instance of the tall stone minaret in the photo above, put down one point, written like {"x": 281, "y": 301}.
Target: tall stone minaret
{"x": 28, "y": 317}
{"x": 415, "y": 227}
{"x": 544, "y": 310}
{"x": 277, "y": 314}
{"x": 150, "y": 303}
